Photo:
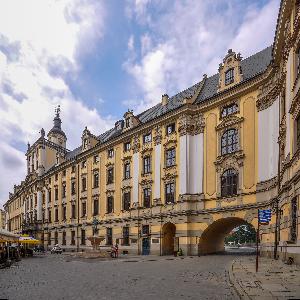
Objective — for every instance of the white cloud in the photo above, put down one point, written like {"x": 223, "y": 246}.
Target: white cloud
{"x": 190, "y": 38}
{"x": 40, "y": 41}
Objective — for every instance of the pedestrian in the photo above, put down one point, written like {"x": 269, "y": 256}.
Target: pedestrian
{"x": 117, "y": 250}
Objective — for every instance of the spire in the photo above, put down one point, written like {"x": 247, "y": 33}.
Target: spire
{"x": 57, "y": 120}
{"x": 56, "y": 130}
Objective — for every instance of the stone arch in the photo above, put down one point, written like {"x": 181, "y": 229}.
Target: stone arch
{"x": 168, "y": 238}
{"x": 212, "y": 238}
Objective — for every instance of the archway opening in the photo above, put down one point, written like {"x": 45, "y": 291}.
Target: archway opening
{"x": 231, "y": 232}
{"x": 168, "y": 237}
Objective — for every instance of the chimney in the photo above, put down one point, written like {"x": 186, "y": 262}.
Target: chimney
{"x": 164, "y": 99}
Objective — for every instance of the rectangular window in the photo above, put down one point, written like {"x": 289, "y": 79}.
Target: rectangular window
{"x": 56, "y": 176}
{"x": 110, "y": 175}
{"x": 126, "y": 201}
{"x": 147, "y": 197}
{"x": 73, "y": 215}
{"x": 96, "y": 180}
{"x": 56, "y": 214}
{"x": 49, "y": 215}
{"x": 56, "y": 194}
{"x": 127, "y": 146}
{"x": 63, "y": 191}
{"x": 127, "y": 171}
{"x": 171, "y": 157}
{"x": 82, "y": 237}
{"x": 96, "y": 207}
{"x": 127, "y": 122}
{"x": 110, "y": 153}
{"x": 63, "y": 242}
{"x": 293, "y": 229}
{"x": 147, "y": 165}
{"x": 96, "y": 159}
{"x": 55, "y": 237}
{"x": 110, "y": 205}
{"x": 83, "y": 184}
{"x": 83, "y": 164}
{"x": 83, "y": 207}
{"x": 125, "y": 240}
{"x": 170, "y": 128}
{"x": 72, "y": 237}
{"x": 64, "y": 173}
{"x": 145, "y": 230}
{"x": 73, "y": 169}
{"x": 298, "y": 62}
{"x": 170, "y": 192}
{"x": 298, "y": 132}
{"x": 73, "y": 187}
{"x": 64, "y": 211}
{"x": 229, "y": 76}
{"x": 109, "y": 236}
{"x": 49, "y": 238}
{"x": 147, "y": 138}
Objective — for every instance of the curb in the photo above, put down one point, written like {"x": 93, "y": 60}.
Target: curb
{"x": 240, "y": 292}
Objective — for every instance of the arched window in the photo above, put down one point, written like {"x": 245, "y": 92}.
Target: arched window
{"x": 229, "y": 141}
{"x": 229, "y": 182}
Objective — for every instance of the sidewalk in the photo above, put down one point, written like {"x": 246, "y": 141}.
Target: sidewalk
{"x": 274, "y": 279}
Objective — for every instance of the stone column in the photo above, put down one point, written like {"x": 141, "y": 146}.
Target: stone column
{"x": 157, "y": 163}
{"x": 47, "y": 203}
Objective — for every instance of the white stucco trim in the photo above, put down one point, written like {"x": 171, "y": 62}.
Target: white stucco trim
{"x": 196, "y": 164}
{"x": 157, "y": 168}
{"x": 39, "y": 205}
{"x": 183, "y": 164}
{"x": 135, "y": 178}
{"x": 268, "y": 127}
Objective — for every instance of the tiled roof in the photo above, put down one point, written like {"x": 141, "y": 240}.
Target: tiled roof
{"x": 250, "y": 66}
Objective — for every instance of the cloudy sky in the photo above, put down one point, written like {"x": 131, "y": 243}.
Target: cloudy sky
{"x": 98, "y": 58}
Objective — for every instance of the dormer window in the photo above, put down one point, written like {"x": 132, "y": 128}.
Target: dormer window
{"x": 147, "y": 138}
{"x": 127, "y": 122}
{"x": 170, "y": 128}
{"x": 229, "y": 76}
{"x": 229, "y": 110}
{"x": 110, "y": 153}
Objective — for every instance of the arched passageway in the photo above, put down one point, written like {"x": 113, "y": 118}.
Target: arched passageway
{"x": 212, "y": 239}
{"x": 168, "y": 237}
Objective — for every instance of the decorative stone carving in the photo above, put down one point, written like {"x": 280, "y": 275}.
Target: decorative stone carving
{"x": 136, "y": 144}
{"x": 191, "y": 124}
{"x": 157, "y": 135}
{"x": 295, "y": 106}
{"x": 268, "y": 92}
{"x": 229, "y": 121}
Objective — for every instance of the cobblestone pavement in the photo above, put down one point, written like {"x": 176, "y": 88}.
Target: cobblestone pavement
{"x": 62, "y": 277}
{"x": 274, "y": 279}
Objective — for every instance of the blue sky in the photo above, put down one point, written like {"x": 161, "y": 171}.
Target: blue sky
{"x": 99, "y": 58}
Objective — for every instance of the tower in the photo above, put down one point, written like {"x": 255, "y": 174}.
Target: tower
{"x": 56, "y": 134}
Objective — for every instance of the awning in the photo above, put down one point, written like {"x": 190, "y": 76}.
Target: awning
{"x": 7, "y": 236}
{"x": 26, "y": 239}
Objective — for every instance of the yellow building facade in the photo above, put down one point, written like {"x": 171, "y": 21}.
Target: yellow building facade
{"x": 185, "y": 172}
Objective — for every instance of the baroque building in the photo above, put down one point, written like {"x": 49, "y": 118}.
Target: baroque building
{"x": 183, "y": 173}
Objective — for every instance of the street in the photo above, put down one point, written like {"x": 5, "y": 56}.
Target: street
{"x": 147, "y": 277}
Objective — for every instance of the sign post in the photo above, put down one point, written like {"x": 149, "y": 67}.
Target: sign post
{"x": 263, "y": 217}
